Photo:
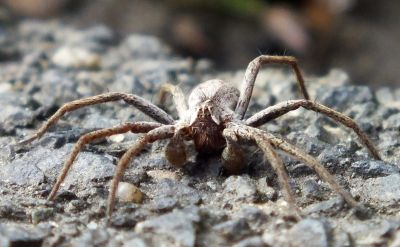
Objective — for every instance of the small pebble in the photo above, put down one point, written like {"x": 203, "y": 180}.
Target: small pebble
{"x": 116, "y": 138}
{"x": 41, "y": 214}
{"x": 76, "y": 57}
{"x": 129, "y": 193}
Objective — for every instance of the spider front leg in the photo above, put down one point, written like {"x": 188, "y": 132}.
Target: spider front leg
{"x": 282, "y": 108}
{"x": 163, "y": 132}
{"x": 276, "y": 162}
{"x": 251, "y": 75}
{"x": 138, "y": 127}
{"x": 140, "y": 103}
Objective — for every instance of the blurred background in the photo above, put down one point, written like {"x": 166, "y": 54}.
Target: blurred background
{"x": 360, "y": 37}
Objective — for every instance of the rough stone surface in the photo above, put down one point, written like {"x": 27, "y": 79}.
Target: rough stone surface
{"x": 383, "y": 190}
{"x": 14, "y": 235}
{"x": 239, "y": 189}
{"x": 374, "y": 168}
{"x": 38, "y": 165}
{"x": 175, "y": 229}
{"x": 309, "y": 232}
{"x": 198, "y": 205}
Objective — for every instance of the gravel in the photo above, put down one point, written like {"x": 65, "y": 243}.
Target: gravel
{"x": 309, "y": 232}
{"x": 197, "y": 205}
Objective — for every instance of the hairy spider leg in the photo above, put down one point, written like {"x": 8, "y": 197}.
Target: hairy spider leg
{"x": 163, "y": 132}
{"x": 311, "y": 162}
{"x": 177, "y": 96}
{"x": 138, "y": 127}
{"x": 233, "y": 157}
{"x": 308, "y": 160}
{"x": 251, "y": 75}
{"x": 276, "y": 162}
{"x": 282, "y": 108}
{"x": 140, "y": 103}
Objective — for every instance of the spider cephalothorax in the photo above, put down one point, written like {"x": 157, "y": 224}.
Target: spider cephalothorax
{"x": 211, "y": 106}
{"x": 213, "y": 120}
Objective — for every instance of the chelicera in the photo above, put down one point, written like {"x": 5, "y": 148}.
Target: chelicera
{"x": 214, "y": 120}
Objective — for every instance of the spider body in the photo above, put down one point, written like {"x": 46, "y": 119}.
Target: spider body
{"x": 213, "y": 118}
{"x": 211, "y": 106}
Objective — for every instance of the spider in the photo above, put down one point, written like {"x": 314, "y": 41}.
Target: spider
{"x": 214, "y": 120}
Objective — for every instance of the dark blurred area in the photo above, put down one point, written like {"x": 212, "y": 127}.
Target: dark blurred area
{"x": 360, "y": 37}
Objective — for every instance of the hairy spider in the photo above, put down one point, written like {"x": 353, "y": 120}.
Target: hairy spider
{"x": 213, "y": 119}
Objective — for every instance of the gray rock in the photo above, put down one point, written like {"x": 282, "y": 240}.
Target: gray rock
{"x": 13, "y": 235}
{"x": 96, "y": 237}
{"x": 75, "y": 206}
{"x": 167, "y": 191}
{"x": 10, "y": 210}
{"x": 266, "y": 192}
{"x": 154, "y": 162}
{"x": 373, "y": 168}
{"x": 390, "y": 140}
{"x": 7, "y": 152}
{"x": 309, "y": 232}
{"x": 340, "y": 98}
{"x": 393, "y": 122}
{"x": 239, "y": 189}
{"x": 13, "y": 113}
{"x": 310, "y": 188}
{"x": 330, "y": 206}
{"x": 164, "y": 204}
{"x": 144, "y": 46}
{"x": 100, "y": 34}
{"x": 383, "y": 191}
{"x": 177, "y": 228}
{"x": 309, "y": 143}
{"x": 17, "y": 172}
{"x": 41, "y": 214}
{"x": 137, "y": 242}
{"x": 385, "y": 95}
{"x": 255, "y": 217}
{"x": 255, "y": 241}
{"x": 371, "y": 232}
{"x": 336, "y": 157}
{"x": 125, "y": 220}
{"x": 33, "y": 167}
{"x": 361, "y": 113}
{"x": 318, "y": 131}
{"x": 233, "y": 230}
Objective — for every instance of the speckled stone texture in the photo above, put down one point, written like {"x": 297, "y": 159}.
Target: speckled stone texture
{"x": 45, "y": 64}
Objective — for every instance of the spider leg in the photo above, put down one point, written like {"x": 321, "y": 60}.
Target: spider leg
{"x": 302, "y": 155}
{"x": 140, "y": 103}
{"x": 251, "y": 75}
{"x": 178, "y": 97}
{"x": 282, "y": 108}
{"x": 233, "y": 158}
{"x": 314, "y": 164}
{"x": 138, "y": 127}
{"x": 163, "y": 132}
{"x": 276, "y": 162}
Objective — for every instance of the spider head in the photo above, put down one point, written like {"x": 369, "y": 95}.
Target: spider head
{"x": 211, "y": 105}
{"x": 213, "y": 100}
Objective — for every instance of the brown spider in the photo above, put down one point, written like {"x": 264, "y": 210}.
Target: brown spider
{"x": 213, "y": 119}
